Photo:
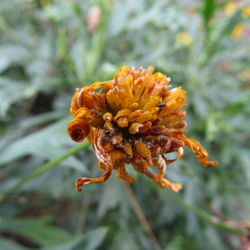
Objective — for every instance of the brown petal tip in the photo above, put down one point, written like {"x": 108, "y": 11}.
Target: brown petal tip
{"x": 82, "y": 181}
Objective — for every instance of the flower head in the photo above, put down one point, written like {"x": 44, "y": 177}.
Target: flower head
{"x": 246, "y": 12}
{"x": 238, "y": 31}
{"x": 230, "y": 8}
{"x": 134, "y": 119}
{"x": 184, "y": 38}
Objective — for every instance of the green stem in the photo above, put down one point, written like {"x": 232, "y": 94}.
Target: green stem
{"x": 204, "y": 215}
{"x": 47, "y": 166}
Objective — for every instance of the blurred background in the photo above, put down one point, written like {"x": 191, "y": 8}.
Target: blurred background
{"x": 50, "y": 47}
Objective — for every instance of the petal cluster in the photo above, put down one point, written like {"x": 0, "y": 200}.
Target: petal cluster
{"x": 136, "y": 119}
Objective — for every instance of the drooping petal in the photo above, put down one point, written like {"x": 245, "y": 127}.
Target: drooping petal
{"x": 200, "y": 152}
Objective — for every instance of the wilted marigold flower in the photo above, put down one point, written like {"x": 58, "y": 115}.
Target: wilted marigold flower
{"x": 134, "y": 119}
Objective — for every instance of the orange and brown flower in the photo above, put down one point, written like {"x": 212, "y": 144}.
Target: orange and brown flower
{"x": 134, "y": 119}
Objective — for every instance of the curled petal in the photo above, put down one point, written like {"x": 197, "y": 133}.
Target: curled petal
{"x": 102, "y": 147}
{"x": 78, "y": 129}
{"x": 86, "y": 97}
{"x": 179, "y": 156}
{"x": 86, "y": 180}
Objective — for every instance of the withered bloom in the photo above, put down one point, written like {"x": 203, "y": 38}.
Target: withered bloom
{"x": 133, "y": 119}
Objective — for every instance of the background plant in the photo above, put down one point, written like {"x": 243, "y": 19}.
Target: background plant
{"x": 47, "y": 49}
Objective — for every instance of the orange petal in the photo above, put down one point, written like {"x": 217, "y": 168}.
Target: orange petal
{"x": 122, "y": 113}
{"x": 122, "y": 122}
{"x": 201, "y": 153}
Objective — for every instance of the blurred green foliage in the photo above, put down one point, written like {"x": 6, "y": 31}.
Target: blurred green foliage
{"x": 47, "y": 49}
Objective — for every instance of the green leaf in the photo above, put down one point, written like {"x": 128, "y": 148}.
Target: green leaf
{"x": 208, "y": 10}
{"x": 35, "y": 229}
{"x": 12, "y": 54}
{"x": 88, "y": 241}
{"x": 48, "y": 143}
{"x": 12, "y": 91}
